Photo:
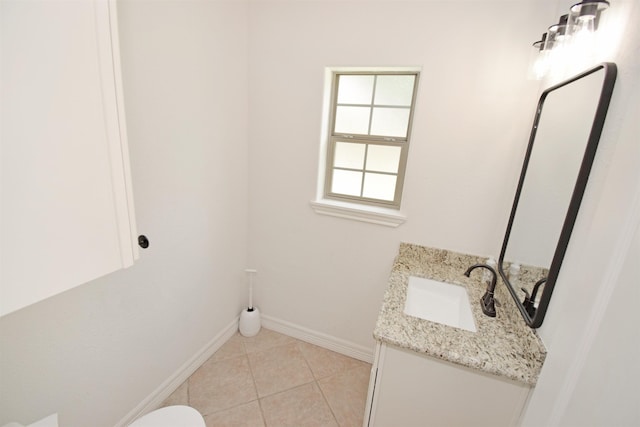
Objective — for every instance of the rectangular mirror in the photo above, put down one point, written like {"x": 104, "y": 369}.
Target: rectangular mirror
{"x": 562, "y": 145}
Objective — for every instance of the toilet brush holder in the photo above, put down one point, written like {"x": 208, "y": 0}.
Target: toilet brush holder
{"x": 250, "y": 322}
{"x": 250, "y": 317}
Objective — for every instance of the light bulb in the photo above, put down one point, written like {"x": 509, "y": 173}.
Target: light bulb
{"x": 556, "y": 46}
{"x": 583, "y": 42}
{"x": 585, "y": 26}
{"x": 538, "y": 63}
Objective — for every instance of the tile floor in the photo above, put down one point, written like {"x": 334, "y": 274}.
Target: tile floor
{"x": 276, "y": 381}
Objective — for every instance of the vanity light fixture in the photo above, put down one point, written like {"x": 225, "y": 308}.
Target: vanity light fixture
{"x": 571, "y": 39}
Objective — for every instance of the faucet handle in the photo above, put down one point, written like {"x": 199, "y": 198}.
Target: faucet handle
{"x": 487, "y": 303}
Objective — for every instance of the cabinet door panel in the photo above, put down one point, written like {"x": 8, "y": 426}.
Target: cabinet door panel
{"x": 416, "y": 391}
{"x": 66, "y": 205}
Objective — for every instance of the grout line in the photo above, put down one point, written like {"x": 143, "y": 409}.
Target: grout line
{"x": 264, "y": 420}
{"x": 327, "y": 403}
{"x": 317, "y": 382}
{"x": 298, "y": 345}
{"x": 253, "y": 379}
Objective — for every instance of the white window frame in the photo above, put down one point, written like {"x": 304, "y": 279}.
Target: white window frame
{"x": 358, "y": 207}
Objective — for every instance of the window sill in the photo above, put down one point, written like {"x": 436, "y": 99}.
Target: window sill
{"x": 371, "y": 214}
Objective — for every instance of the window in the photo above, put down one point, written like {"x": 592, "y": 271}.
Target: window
{"x": 370, "y": 125}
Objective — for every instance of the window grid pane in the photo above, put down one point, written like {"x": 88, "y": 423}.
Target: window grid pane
{"x": 392, "y": 122}
{"x": 379, "y": 186}
{"x": 353, "y": 120}
{"x": 383, "y": 158}
{"x": 347, "y": 182}
{"x": 349, "y": 155}
{"x": 394, "y": 90}
{"x": 356, "y": 89}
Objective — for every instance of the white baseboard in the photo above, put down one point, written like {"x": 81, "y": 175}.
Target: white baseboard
{"x": 159, "y": 395}
{"x": 318, "y": 338}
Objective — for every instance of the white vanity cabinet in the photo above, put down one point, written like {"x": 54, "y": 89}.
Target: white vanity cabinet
{"x": 66, "y": 200}
{"x": 409, "y": 389}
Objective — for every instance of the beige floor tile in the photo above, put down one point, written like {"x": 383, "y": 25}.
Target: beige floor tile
{"x": 234, "y": 347}
{"x": 266, "y": 339}
{"x": 246, "y": 415}
{"x": 279, "y": 368}
{"x": 179, "y": 397}
{"x": 324, "y": 363}
{"x": 302, "y": 406}
{"x": 223, "y": 384}
{"x": 346, "y": 394}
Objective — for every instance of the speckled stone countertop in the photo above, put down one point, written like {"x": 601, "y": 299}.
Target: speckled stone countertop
{"x": 503, "y": 345}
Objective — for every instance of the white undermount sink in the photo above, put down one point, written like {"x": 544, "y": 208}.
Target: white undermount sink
{"x": 439, "y": 302}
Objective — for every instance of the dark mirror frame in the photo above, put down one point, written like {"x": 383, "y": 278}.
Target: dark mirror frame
{"x": 610, "y": 70}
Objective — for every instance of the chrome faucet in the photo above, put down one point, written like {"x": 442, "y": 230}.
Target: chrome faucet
{"x": 487, "y": 302}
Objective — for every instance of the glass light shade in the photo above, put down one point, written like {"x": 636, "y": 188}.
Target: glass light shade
{"x": 589, "y": 7}
{"x": 582, "y": 17}
{"x": 583, "y": 43}
{"x": 550, "y": 42}
{"x": 538, "y": 63}
{"x": 557, "y": 47}
{"x": 582, "y": 26}
{"x": 585, "y": 26}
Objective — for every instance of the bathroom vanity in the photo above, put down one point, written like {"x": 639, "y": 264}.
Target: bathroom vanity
{"x": 427, "y": 372}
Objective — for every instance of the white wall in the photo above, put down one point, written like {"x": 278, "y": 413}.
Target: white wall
{"x": 591, "y": 374}
{"x": 95, "y": 352}
{"x": 473, "y": 114}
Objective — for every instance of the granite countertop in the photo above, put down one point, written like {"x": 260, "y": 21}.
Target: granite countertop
{"x": 503, "y": 345}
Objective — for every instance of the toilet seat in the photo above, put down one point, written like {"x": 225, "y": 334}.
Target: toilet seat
{"x": 171, "y": 416}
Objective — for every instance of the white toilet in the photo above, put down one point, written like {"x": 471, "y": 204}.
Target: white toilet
{"x": 171, "y": 416}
